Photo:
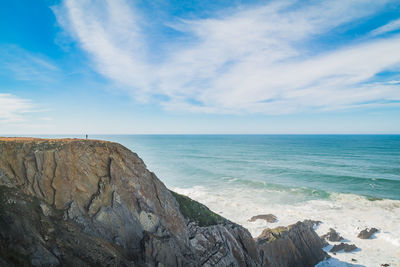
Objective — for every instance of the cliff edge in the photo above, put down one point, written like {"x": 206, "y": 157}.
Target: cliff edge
{"x": 90, "y": 202}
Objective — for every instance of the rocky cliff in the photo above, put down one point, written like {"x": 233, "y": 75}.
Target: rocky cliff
{"x": 85, "y": 202}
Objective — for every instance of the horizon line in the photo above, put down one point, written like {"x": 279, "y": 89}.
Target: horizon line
{"x": 149, "y": 133}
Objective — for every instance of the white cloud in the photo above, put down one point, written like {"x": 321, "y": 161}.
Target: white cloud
{"x": 108, "y": 30}
{"x": 393, "y": 25}
{"x": 13, "y": 109}
{"x": 253, "y": 60}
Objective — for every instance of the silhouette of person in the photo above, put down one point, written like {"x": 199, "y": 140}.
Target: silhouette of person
{"x": 86, "y": 136}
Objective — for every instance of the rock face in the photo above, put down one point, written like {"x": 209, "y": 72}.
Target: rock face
{"x": 86, "y": 202}
{"x": 295, "y": 245}
{"x": 105, "y": 189}
{"x": 33, "y": 233}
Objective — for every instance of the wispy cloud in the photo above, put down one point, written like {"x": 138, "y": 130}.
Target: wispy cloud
{"x": 257, "y": 59}
{"x": 24, "y": 65}
{"x": 13, "y": 109}
{"x": 393, "y": 25}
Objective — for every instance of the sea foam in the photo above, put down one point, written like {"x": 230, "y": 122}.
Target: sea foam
{"x": 348, "y": 214}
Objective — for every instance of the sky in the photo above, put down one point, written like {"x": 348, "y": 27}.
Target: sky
{"x": 199, "y": 67}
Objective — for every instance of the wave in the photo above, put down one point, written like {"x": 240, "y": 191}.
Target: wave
{"x": 306, "y": 191}
{"x": 347, "y": 213}
{"x": 323, "y": 186}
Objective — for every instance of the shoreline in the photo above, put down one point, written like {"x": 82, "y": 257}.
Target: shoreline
{"x": 348, "y": 214}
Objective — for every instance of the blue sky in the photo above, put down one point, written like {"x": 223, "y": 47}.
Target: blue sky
{"x": 124, "y": 67}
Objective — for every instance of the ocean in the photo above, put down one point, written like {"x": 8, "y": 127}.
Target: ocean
{"x": 349, "y": 182}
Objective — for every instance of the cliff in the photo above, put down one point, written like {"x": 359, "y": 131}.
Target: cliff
{"x": 88, "y": 202}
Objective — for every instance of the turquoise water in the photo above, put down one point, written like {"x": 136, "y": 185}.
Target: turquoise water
{"x": 306, "y": 166}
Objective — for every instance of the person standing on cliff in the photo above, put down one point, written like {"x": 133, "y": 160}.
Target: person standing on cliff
{"x": 86, "y": 136}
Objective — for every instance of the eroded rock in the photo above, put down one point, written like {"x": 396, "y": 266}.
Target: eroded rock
{"x": 267, "y": 217}
{"x": 332, "y": 235}
{"x": 28, "y": 237}
{"x": 210, "y": 242}
{"x": 367, "y": 233}
{"x": 295, "y": 245}
{"x": 343, "y": 246}
{"x": 312, "y": 223}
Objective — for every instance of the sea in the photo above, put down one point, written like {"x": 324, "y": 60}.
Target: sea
{"x": 348, "y": 182}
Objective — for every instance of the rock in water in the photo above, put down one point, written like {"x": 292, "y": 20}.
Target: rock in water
{"x": 312, "y": 223}
{"x": 367, "y": 233}
{"x": 332, "y": 235}
{"x": 343, "y": 246}
{"x": 295, "y": 245}
{"x": 268, "y": 217}
{"x": 85, "y": 202}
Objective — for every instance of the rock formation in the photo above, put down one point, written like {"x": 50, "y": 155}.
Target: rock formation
{"x": 343, "y": 246}
{"x": 332, "y": 236}
{"x": 367, "y": 233}
{"x": 267, "y": 217}
{"x": 294, "y": 245}
{"x": 85, "y": 202}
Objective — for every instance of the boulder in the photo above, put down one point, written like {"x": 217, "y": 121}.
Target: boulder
{"x": 294, "y": 245}
{"x": 267, "y": 217}
{"x": 332, "y": 235}
{"x": 343, "y": 246}
{"x": 367, "y": 233}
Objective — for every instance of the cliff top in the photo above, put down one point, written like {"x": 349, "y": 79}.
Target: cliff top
{"x": 52, "y": 140}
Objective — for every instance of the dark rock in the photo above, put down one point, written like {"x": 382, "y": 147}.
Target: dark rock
{"x": 367, "y": 233}
{"x": 210, "y": 233}
{"x": 332, "y": 235}
{"x": 210, "y": 244}
{"x": 312, "y": 223}
{"x": 343, "y": 246}
{"x": 385, "y": 264}
{"x": 295, "y": 245}
{"x": 23, "y": 226}
{"x": 268, "y": 217}
{"x": 353, "y": 260}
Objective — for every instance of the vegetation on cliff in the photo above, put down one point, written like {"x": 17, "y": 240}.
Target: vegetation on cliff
{"x": 196, "y": 212}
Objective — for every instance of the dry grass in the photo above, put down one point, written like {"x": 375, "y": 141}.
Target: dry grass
{"x": 33, "y": 139}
